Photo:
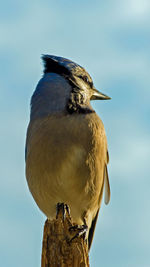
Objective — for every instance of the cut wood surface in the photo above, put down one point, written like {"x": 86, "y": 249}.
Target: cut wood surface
{"x": 63, "y": 246}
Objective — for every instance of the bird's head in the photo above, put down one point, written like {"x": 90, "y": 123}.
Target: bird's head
{"x": 65, "y": 85}
{"x": 83, "y": 89}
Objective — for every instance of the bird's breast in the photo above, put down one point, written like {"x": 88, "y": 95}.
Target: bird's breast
{"x": 65, "y": 162}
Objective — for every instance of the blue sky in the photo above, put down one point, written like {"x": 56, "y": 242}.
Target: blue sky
{"x": 111, "y": 40}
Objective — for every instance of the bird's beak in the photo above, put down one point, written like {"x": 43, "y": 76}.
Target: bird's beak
{"x": 98, "y": 95}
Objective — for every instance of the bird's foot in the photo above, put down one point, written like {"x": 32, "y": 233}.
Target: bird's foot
{"x": 62, "y": 210}
{"x": 80, "y": 230}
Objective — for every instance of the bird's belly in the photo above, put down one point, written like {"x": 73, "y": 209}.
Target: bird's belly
{"x": 66, "y": 164}
{"x": 71, "y": 180}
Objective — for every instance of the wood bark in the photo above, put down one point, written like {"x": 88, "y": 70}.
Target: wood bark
{"x": 63, "y": 246}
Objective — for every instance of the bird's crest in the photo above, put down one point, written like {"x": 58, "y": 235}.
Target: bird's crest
{"x": 58, "y": 65}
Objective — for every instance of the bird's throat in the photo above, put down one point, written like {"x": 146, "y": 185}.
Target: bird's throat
{"x": 77, "y": 104}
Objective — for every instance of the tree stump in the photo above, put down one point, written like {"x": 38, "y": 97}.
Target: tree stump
{"x": 63, "y": 246}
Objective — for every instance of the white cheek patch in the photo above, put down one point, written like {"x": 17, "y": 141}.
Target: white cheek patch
{"x": 84, "y": 96}
{"x": 82, "y": 85}
{"x": 84, "y": 89}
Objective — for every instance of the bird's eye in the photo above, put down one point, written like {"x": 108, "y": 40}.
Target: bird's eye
{"x": 84, "y": 78}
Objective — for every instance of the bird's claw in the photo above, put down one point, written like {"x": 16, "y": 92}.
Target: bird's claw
{"x": 62, "y": 210}
{"x": 80, "y": 229}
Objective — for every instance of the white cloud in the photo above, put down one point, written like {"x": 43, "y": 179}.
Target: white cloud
{"x": 137, "y": 9}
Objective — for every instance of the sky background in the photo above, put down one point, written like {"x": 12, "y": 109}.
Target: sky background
{"x": 111, "y": 39}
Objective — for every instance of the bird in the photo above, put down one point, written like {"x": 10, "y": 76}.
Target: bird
{"x": 66, "y": 147}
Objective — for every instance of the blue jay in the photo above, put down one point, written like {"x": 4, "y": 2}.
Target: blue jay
{"x": 66, "y": 146}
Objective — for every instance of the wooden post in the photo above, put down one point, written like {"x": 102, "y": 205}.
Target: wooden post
{"x": 60, "y": 248}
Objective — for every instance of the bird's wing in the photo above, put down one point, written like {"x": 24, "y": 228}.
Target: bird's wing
{"x": 107, "y": 199}
{"x": 26, "y": 145}
{"x": 106, "y": 182}
{"x": 92, "y": 230}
